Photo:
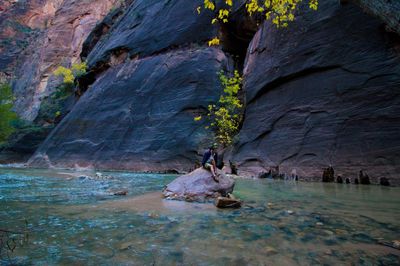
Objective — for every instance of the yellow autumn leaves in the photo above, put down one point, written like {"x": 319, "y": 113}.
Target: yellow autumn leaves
{"x": 280, "y": 12}
{"x": 224, "y": 117}
{"x": 69, "y": 74}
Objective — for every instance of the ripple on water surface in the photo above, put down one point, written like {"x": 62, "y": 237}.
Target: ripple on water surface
{"x": 74, "y": 221}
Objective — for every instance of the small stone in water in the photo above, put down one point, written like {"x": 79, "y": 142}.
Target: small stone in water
{"x": 319, "y": 224}
{"x": 289, "y": 212}
{"x": 125, "y": 246}
{"x": 396, "y": 244}
{"x": 328, "y": 252}
{"x": 120, "y": 193}
{"x": 327, "y": 232}
{"x": 270, "y": 251}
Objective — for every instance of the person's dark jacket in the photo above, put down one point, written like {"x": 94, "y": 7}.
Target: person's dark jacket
{"x": 207, "y": 155}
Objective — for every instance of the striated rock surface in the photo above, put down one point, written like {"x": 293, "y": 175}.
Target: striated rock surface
{"x": 59, "y": 43}
{"x": 20, "y": 23}
{"x": 387, "y": 11}
{"x": 322, "y": 92}
{"x": 198, "y": 186}
{"x": 139, "y": 115}
{"x": 152, "y": 26}
{"x": 37, "y": 36}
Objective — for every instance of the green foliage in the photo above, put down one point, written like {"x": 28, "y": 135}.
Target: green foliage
{"x": 52, "y": 107}
{"x": 225, "y": 117}
{"x": 7, "y": 116}
{"x": 69, "y": 74}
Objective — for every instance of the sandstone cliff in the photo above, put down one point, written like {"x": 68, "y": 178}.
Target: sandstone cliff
{"x": 39, "y": 35}
{"x": 36, "y": 37}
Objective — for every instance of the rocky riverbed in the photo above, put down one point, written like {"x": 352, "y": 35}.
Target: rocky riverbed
{"x": 73, "y": 221}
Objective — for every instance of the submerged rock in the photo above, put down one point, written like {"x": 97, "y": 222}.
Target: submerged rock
{"x": 120, "y": 192}
{"x": 198, "y": 186}
{"x": 384, "y": 181}
{"x": 393, "y": 244}
{"x": 227, "y": 202}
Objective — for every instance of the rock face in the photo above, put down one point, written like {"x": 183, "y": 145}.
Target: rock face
{"x": 60, "y": 43}
{"x": 152, "y": 26}
{"x": 139, "y": 115}
{"x": 198, "y": 186}
{"x": 20, "y": 22}
{"x": 322, "y": 92}
{"x": 388, "y": 11}
{"x": 36, "y": 37}
{"x": 151, "y": 76}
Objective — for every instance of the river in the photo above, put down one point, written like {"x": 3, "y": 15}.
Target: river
{"x": 74, "y": 221}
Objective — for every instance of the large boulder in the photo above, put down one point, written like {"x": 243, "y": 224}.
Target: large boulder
{"x": 199, "y": 186}
{"x": 140, "y": 115}
{"x": 322, "y": 92}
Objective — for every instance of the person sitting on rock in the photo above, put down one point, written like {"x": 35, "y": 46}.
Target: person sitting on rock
{"x": 209, "y": 161}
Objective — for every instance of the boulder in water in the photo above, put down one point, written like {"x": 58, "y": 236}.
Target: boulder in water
{"x": 384, "y": 181}
{"x": 199, "y": 186}
{"x": 328, "y": 175}
{"x": 227, "y": 202}
{"x": 364, "y": 178}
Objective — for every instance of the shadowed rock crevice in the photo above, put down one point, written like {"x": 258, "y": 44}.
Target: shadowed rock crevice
{"x": 237, "y": 34}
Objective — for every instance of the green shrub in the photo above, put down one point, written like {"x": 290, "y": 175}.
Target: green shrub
{"x": 7, "y": 116}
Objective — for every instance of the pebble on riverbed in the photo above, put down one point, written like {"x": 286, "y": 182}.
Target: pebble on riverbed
{"x": 269, "y": 251}
{"x": 120, "y": 193}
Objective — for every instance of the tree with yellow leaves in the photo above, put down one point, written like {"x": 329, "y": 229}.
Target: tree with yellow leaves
{"x": 280, "y": 12}
{"x": 69, "y": 74}
{"x": 225, "y": 117}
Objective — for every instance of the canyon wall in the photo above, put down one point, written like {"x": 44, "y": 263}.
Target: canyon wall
{"x": 37, "y": 37}
{"x": 322, "y": 92}
{"x": 153, "y": 74}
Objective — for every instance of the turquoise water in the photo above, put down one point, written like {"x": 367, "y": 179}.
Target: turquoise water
{"x": 79, "y": 222}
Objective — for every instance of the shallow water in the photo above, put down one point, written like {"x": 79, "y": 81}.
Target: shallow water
{"x": 77, "y": 222}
